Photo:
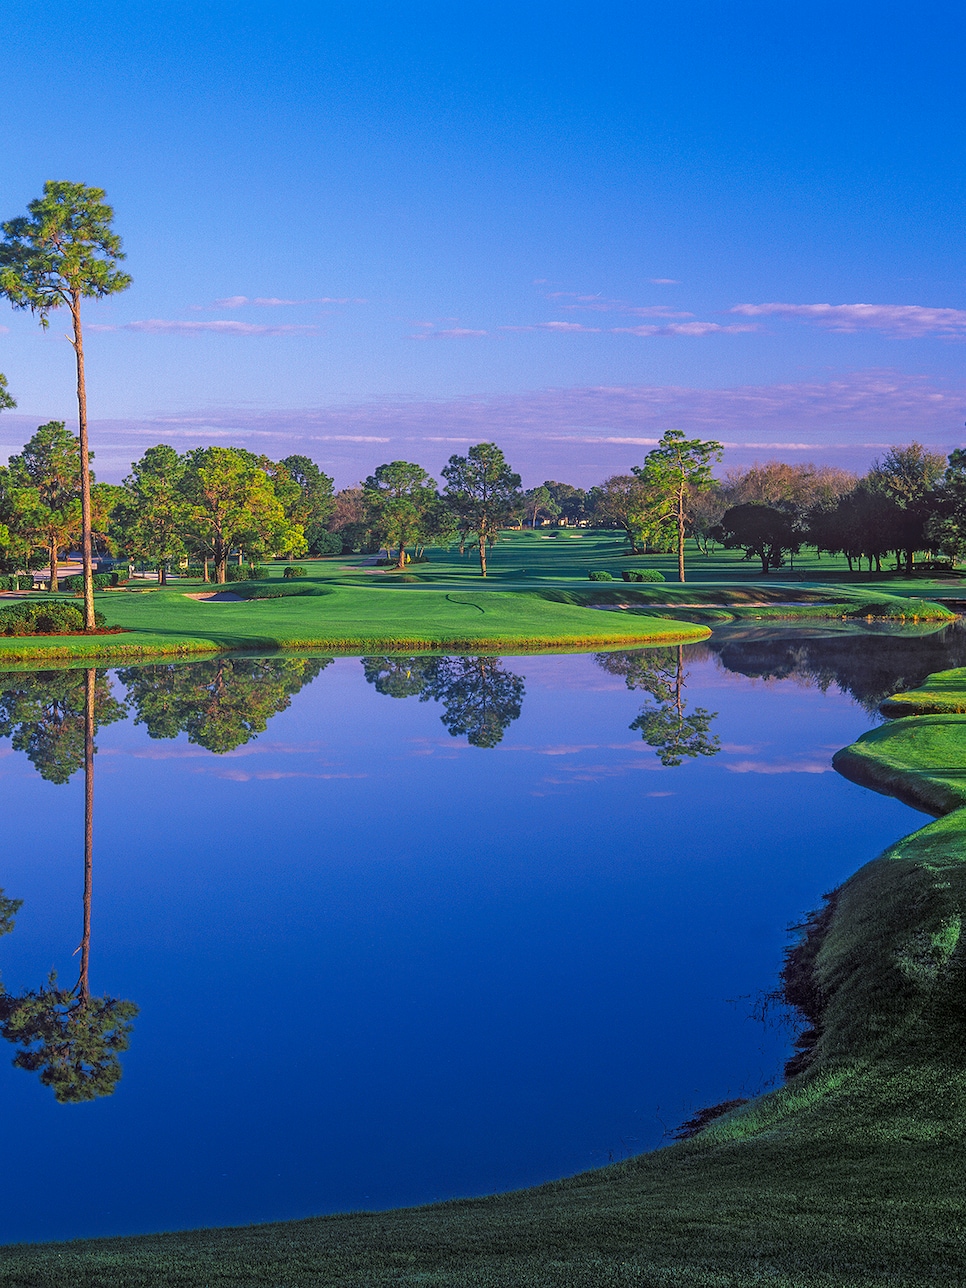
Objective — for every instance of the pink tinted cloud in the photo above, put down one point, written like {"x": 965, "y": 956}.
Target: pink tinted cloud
{"x": 600, "y": 304}
{"x": 448, "y": 333}
{"x": 580, "y": 434}
{"x": 906, "y": 321}
{"x": 165, "y": 326}
{"x": 695, "y": 329}
{"x": 270, "y": 302}
{"x": 561, "y": 327}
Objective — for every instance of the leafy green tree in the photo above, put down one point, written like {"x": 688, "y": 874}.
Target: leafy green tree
{"x": 909, "y": 477}
{"x": 220, "y": 704}
{"x": 50, "y": 464}
{"x": 313, "y": 504}
{"x": 62, "y": 251}
{"x": 571, "y": 502}
{"x": 232, "y": 502}
{"x": 19, "y": 522}
{"x": 480, "y": 699}
{"x": 153, "y": 511}
{"x": 946, "y": 529}
{"x": 677, "y": 469}
{"x": 43, "y": 713}
{"x": 6, "y": 400}
{"x": 400, "y": 499}
{"x": 762, "y": 531}
{"x": 482, "y": 493}
{"x": 537, "y": 501}
{"x": 666, "y": 725}
{"x": 622, "y": 501}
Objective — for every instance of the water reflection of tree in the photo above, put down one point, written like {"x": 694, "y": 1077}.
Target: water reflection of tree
{"x": 43, "y": 715}
{"x": 67, "y": 1036}
{"x": 664, "y": 725}
{"x": 870, "y": 666}
{"x": 480, "y": 698}
{"x": 220, "y": 704}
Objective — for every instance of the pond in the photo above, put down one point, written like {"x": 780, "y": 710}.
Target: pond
{"x": 370, "y": 932}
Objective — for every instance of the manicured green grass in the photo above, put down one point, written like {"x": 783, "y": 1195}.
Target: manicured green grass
{"x": 538, "y": 597}
{"x": 849, "y": 1175}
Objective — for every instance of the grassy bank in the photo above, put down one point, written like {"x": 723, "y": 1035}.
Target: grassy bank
{"x": 538, "y": 598}
{"x": 848, "y": 1175}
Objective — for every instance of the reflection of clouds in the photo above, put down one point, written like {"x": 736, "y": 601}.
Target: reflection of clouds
{"x": 240, "y": 775}
{"x": 741, "y": 749}
{"x": 780, "y": 767}
{"x": 194, "y": 752}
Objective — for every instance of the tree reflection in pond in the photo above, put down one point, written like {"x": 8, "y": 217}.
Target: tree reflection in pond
{"x": 666, "y": 726}
{"x": 43, "y": 715}
{"x": 480, "y": 698}
{"x": 71, "y": 1039}
{"x": 220, "y": 704}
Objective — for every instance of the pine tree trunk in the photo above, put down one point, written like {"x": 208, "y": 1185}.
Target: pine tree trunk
{"x": 205, "y": 575}
{"x": 482, "y": 555}
{"x": 53, "y": 585}
{"x": 85, "y": 463}
{"x": 681, "y": 533}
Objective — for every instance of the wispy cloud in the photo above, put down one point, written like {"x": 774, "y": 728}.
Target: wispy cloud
{"x": 780, "y": 767}
{"x": 600, "y": 304}
{"x": 906, "y": 321}
{"x": 694, "y": 329}
{"x": 272, "y": 302}
{"x": 173, "y": 326}
{"x": 664, "y": 281}
{"x": 448, "y": 333}
{"x": 587, "y": 431}
{"x": 562, "y": 327}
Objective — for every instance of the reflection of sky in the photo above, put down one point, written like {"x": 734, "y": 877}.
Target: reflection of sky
{"x": 377, "y": 966}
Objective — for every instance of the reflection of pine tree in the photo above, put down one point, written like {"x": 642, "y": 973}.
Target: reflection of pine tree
{"x": 665, "y": 726}
{"x": 43, "y": 715}
{"x": 220, "y": 704}
{"x": 70, "y": 1038}
{"x": 480, "y": 699}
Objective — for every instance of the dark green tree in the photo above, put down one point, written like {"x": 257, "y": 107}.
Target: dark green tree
{"x": 8, "y": 912}
{"x": 482, "y": 494}
{"x": 220, "y": 704}
{"x": 62, "y": 251}
{"x": 6, "y": 399}
{"x": 399, "y": 677}
{"x": 50, "y": 464}
{"x": 762, "y": 531}
{"x": 152, "y": 513}
{"x": 313, "y": 505}
{"x": 910, "y": 477}
{"x": 400, "y": 500}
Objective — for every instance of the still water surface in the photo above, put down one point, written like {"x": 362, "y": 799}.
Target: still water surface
{"x": 404, "y": 930}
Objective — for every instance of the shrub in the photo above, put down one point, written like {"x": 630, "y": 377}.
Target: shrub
{"x": 600, "y": 576}
{"x": 327, "y": 543}
{"x": 642, "y": 574}
{"x": 47, "y": 617}
{"x": 294, "y": 570}
{"x": 17, "y": 581}
{"x": 248, "y": 572}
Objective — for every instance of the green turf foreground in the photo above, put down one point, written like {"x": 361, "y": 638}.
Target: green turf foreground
{"x": 852, "y": 1174}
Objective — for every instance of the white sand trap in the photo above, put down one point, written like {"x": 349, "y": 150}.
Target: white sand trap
{"x": 215, "y": 596}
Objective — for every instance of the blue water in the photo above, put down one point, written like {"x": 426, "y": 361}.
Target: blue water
{"x": 376, "y": 965}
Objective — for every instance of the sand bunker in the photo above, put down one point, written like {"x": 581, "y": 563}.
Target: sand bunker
{"x": 215, "y": 596}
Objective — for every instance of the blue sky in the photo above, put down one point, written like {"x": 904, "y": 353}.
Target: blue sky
{"x": 366, "y": 232}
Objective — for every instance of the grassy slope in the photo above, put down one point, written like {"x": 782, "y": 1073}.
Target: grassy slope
{"x": 851, "y": 1174}
{"x": 537, "y": 597}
